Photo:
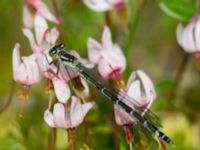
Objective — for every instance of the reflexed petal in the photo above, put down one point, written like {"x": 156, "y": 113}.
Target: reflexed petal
{"x": 197, "y": 35}
{"x": 86, "y": 107}
{"x": 104, "y": 68}
{"x": 48, "y": 117}
{"x": 121, "y": 117}
{"x": 59, "y": 115}
{"x": 188, "y": 38}
{"x": 27, "y": 18}
{"x": 78, "y": 111}
{"x": 134, "y": 91}
{"x": 122, "y": 59}
{"x": 28, "y": 33}
{"x": 62, "y": 90}
{"x": 148, "y": 85}
{"x": 106, "y": 39}
{"x": 179, "y": 34}
{"x": 43, "y": 10}
{"x": 16, "y": 61}
{"x": 94, "y": 50}
{"x": 131, "y": 79}
{"x": 32, "y": 69}
{"x": 98, "y": 5}
{"x": 41, "y": 27}
{"x": 52, "y": 36}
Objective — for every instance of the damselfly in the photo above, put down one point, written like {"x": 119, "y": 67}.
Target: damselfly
{"x": 58, "y": 52}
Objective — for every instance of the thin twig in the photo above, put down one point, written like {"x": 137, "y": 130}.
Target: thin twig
{"x": 52, "y": 139}
{"x": 58, "y": 16}
{"x": 178, "y": 77}
{"x": 9, "y": 99}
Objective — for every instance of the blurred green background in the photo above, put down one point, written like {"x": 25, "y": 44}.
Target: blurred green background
{"x": 155, "y": 50}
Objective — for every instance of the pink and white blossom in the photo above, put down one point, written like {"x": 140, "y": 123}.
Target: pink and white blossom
{"x": 189, "y": 36}
{"x": 105, "y": 5}
{"x": 141, "y": 89}
{"x": 43, "y": 37}
{"x": 26, "y": 72}
{"x": 36, "y": 7}
{"x": 69, "y": 116}
{"x": 108, "y": 56}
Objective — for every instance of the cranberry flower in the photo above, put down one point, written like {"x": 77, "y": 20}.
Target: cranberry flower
{"x": 109, "y": 57}
{"x": 26, "y": 72}
{"x": 105, "y": 5}
{"x": 189, "y": 38}
{"x": 36, "y": 7}
{"x": 67, "y": 117}
{"x": 44, "y": 37}
{"x": 140, "y": 88}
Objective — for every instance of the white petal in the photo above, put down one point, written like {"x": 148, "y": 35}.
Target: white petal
{"x": 59, "y": 116}
{"x": 134, "y": 91}
{"x": 28, "y": 33}
{"x": 179, "y": 34}
{"x": 78, "y": 111}
{"x": 44, "y": 12}
{"x": 48, "y": 117}
{"x": 107, "y": 39}
{"x": 104, "y": 68}
{"x": 86, "y": 107}
{"x": 188, "y": 38}
{"x": 148, "y": 85}
{"x": 131, "y": 79}
{"x": 27, "y": 18}
{"x": 94, "y": 50}
{"x": 121, "y": 57}
{"x": 122, "y": 117}
{"x": 197, "y": 35}
{"x": 41, "y": 27}
{"x": 52, "y": 36}
{"x": 98, "y": 5}
{"x": 62, "y": 90}
{"x": 32, "y": 69}
{"x": 16, "y": 60}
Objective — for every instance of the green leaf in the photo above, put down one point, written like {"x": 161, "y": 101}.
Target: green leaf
{"x": 165, "y": 85}
{"x": 181, "y": 10}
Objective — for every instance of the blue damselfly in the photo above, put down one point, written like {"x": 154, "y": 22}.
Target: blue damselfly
{"x": 58, "y": 52}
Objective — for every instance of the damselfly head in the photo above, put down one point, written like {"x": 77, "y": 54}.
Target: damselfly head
{"x": 53, "y": 53}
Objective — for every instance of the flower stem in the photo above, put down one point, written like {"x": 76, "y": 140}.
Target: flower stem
{"x": 134, "y": 19}
{"x": 51, "y": 97}
{"x": 52, "y": 139}
{"x": 162, "y": 145}
{"x": 130, "y": 146}
{"x": 72, "y": 144}
{"x": 58, "y": 16}
{"x": 178, "y": 77}
{"x": 115, "y": 133}
{"x": 9, "y": 99}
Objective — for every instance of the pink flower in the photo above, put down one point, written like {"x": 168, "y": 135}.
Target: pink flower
{"x": 26, "y": 72}
{"x": 105, "y": 5}
{"x": 36, "y": 7}
{"x": 107, "y": 55}
{"x": 69, "y": 116}
{"x": 189, "y": 36}
{"x": 140, "y": 88}
{"x": 44, "y": 37}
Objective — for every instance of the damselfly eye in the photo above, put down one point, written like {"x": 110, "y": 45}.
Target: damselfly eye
{"x": 53, "y": 51}
{"x": 62, "y": 46}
